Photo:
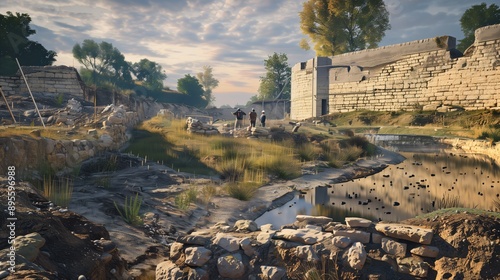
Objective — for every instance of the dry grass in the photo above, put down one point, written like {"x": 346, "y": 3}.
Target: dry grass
{"x": 59, "y": 191}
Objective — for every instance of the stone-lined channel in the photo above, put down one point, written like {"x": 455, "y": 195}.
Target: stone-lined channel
{"x": 416, "y": 186}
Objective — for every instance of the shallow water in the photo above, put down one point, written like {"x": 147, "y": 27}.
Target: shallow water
{"x": 416, "y": 186}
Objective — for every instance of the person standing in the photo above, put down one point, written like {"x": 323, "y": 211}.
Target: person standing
{"x": 253, "y": 117}
{"x": 239, "y": 118}
{"x": 263, "y": 119}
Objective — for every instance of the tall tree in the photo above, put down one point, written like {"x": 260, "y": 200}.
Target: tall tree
{"x": 191, "y": 86}
{"x": 475, "y": 17}
{"x": 276, "y": 82}
{"x": 14, "y": 43}
{"x": 151, "y": 73}
{"x": 208, "y": 82}
{"x": 339, "y": 26}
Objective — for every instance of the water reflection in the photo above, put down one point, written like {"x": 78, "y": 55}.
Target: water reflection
{"x": 416, "y": 186}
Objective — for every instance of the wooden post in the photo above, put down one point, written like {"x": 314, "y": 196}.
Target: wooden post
{"x": 29, "y": 90}
{"x": 7, "y": 103}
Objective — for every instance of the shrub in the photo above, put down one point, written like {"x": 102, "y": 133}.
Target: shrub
{"x": 130, "y": 210}
{"x": 242, "y": 191}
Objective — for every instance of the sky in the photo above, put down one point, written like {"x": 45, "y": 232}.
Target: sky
{"x": 234, "y": 37}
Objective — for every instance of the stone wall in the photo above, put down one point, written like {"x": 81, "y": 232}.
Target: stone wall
{"x": 401, "y": 77}
{"x": 47, "y": 79}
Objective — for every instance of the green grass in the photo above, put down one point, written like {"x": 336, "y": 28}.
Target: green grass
{"x": 59, "y": 191}
{"x": 453, "y": 211}
{"x": 130, "y": 210}
{"x": 185, "y": 198}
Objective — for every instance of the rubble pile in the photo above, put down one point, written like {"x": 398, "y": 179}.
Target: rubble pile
{"x": 195, "y": 126}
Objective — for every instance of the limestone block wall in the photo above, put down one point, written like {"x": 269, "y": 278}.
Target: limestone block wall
{"x": 47, "y": 79}
{"x": 402, "y": 77}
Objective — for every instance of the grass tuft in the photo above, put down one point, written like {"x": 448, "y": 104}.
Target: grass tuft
{"x": 59, "y": 191}
{"x": 130, "y": 210}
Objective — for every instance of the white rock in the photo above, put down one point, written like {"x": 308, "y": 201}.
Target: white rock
{"x": 167, "y": 270}
{"x": 272, "y": 272}
{"x": 356, "y": 256}
{"x": 357, "y": 222}
{"x": 229, "y": 243}
{"x": 197, "y": 256}
{"x": 425, "y": 251}
{"x": 394, "y": 248}
{"x": 354, "y": 235}
{"x": 341, "y": 241}
{"x": 314, "y": 219}
{"x": 407, "y": 232}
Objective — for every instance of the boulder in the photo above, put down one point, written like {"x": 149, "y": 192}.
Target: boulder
{"x": 413, "y": 267}
{"x": 407, "y": 232}
{"x": 229, "y": 243}
{"x": 247, "y": 245}
{"x": 230, "y": 266}
{"x": 307, "y": 253}
{"x": 341, "y": 241}
{"x": 272, "y": 272}
{"x": 29, "y": 245}
{"x": 167, "y": 270}
{"x": 246, "y": 225}
{"x": 176, "y": 250}
{"x": 321, "y": 220}
{"x": 193, "y": 240}
{"x": 197, "y": 256}
{"x": 354, "y": 235}
{"x": 357, "y": 222}
{"x": 356, "y": 256}
{"x": 394, "y": 248}
{"x": 304, "y": 236}
{"x": 425, "y": 251}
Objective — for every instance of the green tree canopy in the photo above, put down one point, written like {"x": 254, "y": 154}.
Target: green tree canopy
{"x": 151, "y": 73}
{"x": 339, "y": 26}
{"x": 208, "y": 82}
{"x": 191, "y": 86}
{"x": 276, "y": 82}
{"x": 102, "y": 62}
{"x": 475, "y": 17}
{"x": 14, "y": 43}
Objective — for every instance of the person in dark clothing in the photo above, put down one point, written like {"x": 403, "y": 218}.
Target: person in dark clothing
{"x": 253, "y": 117}
{"x": 263, "y": 119}
{"x": 239, "y": 118}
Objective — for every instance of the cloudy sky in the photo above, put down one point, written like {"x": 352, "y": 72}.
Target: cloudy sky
{"x": 232, "y": 36}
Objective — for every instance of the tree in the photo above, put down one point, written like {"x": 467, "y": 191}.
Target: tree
{"x": 14, "y": 43}
{"x": 276, "y": 82}
{"x": 475, "y": 17}
{"x": 339, "y": 26}
{"x": 151, "y": 73}
{"x": 208, "y": 82}
{"x": 191, "y": 86}
{"x": 103, "y": 61}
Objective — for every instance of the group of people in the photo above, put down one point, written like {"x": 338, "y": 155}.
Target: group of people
{"x": 253, "y": 118}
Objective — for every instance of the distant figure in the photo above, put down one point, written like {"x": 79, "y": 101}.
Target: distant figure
{"x": 263, "y": 119}
{"x": 239, "y": 118}
{"x": 253, "y": 117}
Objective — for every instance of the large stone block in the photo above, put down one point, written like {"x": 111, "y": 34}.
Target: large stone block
{"x": 407, "y": 232}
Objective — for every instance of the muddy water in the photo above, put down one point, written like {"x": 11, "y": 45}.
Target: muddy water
{"x": 416, "y": 186}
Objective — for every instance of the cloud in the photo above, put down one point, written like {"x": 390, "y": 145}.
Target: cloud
{"x": 232, "y": 36}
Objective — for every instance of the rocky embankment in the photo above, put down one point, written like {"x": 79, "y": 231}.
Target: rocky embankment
{"x": 433, "y": 248}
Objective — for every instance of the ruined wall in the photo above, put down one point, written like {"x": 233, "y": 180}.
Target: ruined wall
{"x": 47, "y": 79}
{"x": 404, "y": 77}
